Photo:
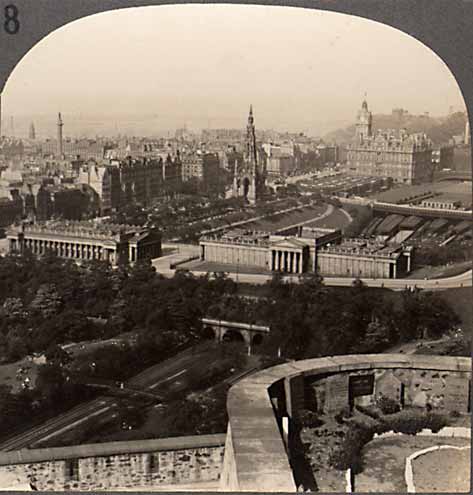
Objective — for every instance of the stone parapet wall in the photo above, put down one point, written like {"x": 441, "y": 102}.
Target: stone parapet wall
{"x": 117, "y": 465}
{"x": 256, "y": 451}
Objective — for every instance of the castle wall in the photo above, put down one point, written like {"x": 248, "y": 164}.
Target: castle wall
{"x": 446, "y": 390}
{"x": 256, "y": 447}
{"x": 160, "y": 463}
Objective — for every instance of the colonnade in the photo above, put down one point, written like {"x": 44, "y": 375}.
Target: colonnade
{"x": 286, "y": 261}
{"x": 67, "y": 249}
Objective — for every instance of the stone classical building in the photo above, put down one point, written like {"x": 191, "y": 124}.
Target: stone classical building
{"x": 313, "y": 250}
{"x": 86, "y": 241}
{"x": 406, "y": 158}
{"x": 364, "y": 259}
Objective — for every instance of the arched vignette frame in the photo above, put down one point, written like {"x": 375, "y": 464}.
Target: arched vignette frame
{"x": 444, "y": 26}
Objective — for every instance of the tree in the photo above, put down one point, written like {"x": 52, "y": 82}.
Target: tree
{"x": 13, "y": 409}
{"x": 56, "y": 355}
{"x": 47, "y": 301}
{"x": 376, "y": 337}
{"x": 13, "y": 309}
{"x": 51, "y": 383}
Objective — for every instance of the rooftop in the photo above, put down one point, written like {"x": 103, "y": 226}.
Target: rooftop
{"x": 83, "y": 228}
{"x": 364, "y": 247}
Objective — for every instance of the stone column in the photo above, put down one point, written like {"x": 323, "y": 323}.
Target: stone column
{"x": 395, "y": 270}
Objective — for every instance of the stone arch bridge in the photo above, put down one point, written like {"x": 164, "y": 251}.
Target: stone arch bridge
{"x": 232, "y": 330}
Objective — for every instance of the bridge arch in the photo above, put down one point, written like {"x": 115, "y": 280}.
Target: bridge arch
{"x": 231, "y": 335}
{"x": 232, "y": 331}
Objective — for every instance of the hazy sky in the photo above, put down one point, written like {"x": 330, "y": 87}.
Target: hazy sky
{"x": 303, "y": 70}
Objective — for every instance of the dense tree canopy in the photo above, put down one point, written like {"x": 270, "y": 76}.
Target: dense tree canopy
{"x": 48, "y": 302}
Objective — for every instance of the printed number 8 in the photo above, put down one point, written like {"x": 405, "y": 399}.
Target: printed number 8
{"x": 11, "y": 24}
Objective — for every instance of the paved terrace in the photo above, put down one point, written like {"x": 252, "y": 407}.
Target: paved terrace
{"x": 255, "y": 453}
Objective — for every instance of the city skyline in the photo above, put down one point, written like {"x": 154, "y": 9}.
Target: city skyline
{"x": 203, "y": 84}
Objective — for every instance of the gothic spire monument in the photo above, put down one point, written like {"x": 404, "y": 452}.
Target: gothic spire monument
{"x": 60, "y": 124}
{"x": 32, "y": 132}
{"x": 249, "y": 179}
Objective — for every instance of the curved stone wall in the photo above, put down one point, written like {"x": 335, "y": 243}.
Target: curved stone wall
{"x": 256, "y": 457}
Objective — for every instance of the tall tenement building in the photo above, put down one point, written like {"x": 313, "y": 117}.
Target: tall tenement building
{"x": 406, "y": 158}
{"x": 131, "y": 180}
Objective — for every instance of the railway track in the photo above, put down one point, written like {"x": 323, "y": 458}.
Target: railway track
{"x": 148, "y": 379}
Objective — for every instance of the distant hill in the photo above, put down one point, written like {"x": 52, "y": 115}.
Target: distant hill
{"x": 439, "y": 129}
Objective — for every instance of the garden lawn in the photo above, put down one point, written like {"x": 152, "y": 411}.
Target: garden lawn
{"x": 445, "y": 470}
{"x": 9, "y": 377}
{"x": 384, "y": 461}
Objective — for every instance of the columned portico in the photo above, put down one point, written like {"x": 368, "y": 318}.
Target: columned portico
{"x": 287, "y": 261}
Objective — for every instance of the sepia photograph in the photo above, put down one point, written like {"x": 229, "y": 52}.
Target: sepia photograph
{"x": 235, "y": 253}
